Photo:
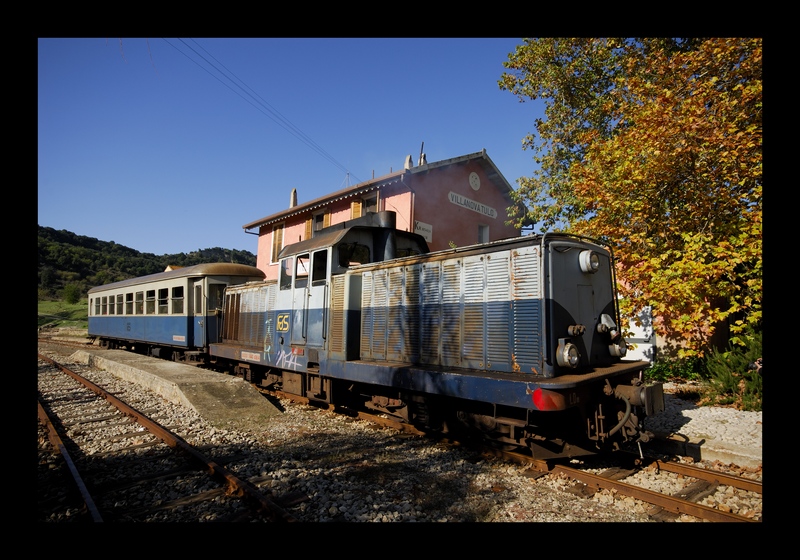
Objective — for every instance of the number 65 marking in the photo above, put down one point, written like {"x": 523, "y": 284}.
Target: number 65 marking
{"x": 283, "y": 322}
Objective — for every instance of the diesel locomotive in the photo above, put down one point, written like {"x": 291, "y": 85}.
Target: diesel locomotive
{"x": 518, "y": 340}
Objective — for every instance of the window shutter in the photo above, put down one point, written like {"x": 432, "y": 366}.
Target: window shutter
{"x": 277, "y": 241}
{"x": 355, "y": 209}
{"x": 309, "y": 224}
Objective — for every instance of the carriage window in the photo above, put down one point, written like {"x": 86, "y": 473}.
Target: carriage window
{"x": 97, "y": 306}
{"x": 129, "y": 303}
{"x": 110, "y": 305}
{"x": 177, "y": 300}
{"x": 119, "y": 304}
{"x": 286, "y": 274}
{"x": 353, "y": 253}
{"x": 216, "y": 295}
{"x": 301, "y": 271}
{"x": 150, "y": 302}
{"x": 139, "y": 303}
{"x": 198, "y": 299}
{"x": 104, "y": 308}
{"x": 163, "y": 298}
{"x": 320, "y": 271}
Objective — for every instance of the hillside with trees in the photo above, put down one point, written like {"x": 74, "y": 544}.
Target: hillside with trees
{"x": 69, "y": 264}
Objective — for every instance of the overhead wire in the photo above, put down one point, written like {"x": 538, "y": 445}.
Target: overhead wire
{"x": 253, "y": 98}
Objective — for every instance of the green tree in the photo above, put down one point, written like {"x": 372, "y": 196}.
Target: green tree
{"x": 72, "y": 293}
{"x": 655, "y": 146}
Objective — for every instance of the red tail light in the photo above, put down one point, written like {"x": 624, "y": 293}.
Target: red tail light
{"x": 548, "y": 400}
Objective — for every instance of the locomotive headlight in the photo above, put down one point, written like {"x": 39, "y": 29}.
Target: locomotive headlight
{"x": 590, "y": 261}
{"x": 567, "y": 354}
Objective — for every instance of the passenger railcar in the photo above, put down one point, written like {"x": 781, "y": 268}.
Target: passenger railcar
{"x": 174, "y": 314}
{"x": 519, "y": 338}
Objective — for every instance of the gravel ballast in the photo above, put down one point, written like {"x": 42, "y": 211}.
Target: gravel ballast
{"x": 353, "y": 471}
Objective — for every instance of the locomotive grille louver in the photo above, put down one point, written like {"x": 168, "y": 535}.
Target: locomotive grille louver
{"x": 478, "y": 311}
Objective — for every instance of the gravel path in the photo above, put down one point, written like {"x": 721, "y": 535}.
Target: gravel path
{"x": 735, "y": 428}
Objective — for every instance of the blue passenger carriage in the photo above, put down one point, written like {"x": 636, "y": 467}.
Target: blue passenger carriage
{"x": 174, "y": 314}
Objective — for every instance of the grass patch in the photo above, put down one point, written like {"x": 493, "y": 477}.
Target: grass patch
{"x": 61, "y": 314}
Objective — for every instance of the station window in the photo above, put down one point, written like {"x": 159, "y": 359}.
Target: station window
{"x": 104, "y": 306}
{"x": 139, "y": 303}
{"x": 163, "y": 301}
{"x": 321, "y": 221}
{"x": 150, "y": 302}
{"x": 370, "y": 204}
{"x": 177, "y": 300}
{"x": 483, "y": 234}
{"x": 120, "y": 303}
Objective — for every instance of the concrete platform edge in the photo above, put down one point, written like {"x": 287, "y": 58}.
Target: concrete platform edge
{"x": 708, "y": 450}
{"x": 226, "y": 402}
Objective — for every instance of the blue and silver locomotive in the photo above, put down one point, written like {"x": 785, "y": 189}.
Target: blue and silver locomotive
{"x": 519, "y": 338}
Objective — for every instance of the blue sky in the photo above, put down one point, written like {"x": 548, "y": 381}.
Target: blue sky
{"x": 172, "y": 145}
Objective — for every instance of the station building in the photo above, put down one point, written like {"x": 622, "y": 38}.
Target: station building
{"x": 451, "y": 203}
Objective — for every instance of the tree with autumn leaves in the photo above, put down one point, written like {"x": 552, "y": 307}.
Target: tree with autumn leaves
{"x": 654, "y": 146}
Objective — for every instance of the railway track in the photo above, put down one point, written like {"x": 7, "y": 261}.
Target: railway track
{"x": 670, "y": 490}
{"x": 699, "y": 482}
{"x": 693, "y": 484}
{"x": 76, "y": 414}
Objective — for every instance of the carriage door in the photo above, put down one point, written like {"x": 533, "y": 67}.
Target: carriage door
{"x": 310, "y": 290}
{"x": 198, "y": 310}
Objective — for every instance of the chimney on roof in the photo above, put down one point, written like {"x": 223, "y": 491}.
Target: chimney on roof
{"x": 408, "y": 164}
{"x": 293, "y": 199}
{"x": 422, "y": 160}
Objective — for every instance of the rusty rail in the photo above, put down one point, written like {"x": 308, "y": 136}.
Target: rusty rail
{"x": 236, "y": 486}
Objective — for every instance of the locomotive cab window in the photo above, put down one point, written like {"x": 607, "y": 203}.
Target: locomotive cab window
{"x": 351, "y": 254}
{"x": 286, "y": 274}
{"x": 301, "y": 270}
{"x": 320, "y": 270}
